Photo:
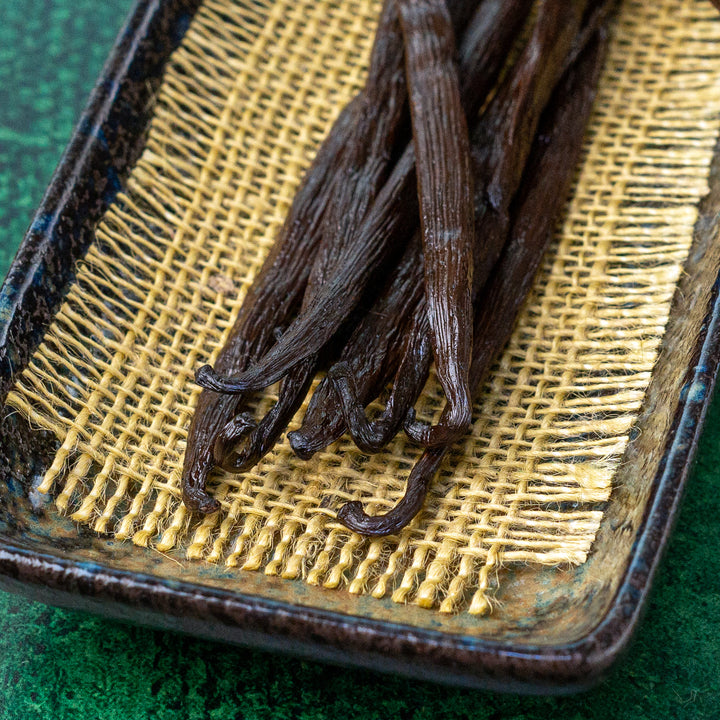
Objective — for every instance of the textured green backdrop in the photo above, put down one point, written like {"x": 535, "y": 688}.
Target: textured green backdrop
{"x": 59, "y": 664}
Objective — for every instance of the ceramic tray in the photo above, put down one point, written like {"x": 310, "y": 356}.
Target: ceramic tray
{"x": 570, "y": 624}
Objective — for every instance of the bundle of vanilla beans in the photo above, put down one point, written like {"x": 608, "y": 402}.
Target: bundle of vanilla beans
{"x": 413, "y": 239}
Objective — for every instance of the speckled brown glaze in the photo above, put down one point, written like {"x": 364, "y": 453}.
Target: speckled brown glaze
{"x": 564, "y": 628}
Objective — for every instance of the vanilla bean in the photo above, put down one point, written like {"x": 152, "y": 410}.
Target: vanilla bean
{"x": 445, "y": 194}
{"x": 501, "y": 143}
{"x": 545, "y": 184}
{"x": 529, "y": 76}
{"x": 384, "y": 231}
{"x": 270, "y": 303}
{"x": 361, "y": 172}
{"x": 361, "y": 375}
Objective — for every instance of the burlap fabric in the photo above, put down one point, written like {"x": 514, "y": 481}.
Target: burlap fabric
{"x": 245, "y": 102}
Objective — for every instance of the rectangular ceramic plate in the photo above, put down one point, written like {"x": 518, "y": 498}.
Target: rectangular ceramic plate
{"x": 568, "y": 626}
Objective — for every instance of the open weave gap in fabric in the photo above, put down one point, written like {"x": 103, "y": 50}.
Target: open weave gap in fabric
{"x": 245, "y": 102}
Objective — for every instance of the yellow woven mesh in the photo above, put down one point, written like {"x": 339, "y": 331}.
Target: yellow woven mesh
{"x": 246, "y": 100}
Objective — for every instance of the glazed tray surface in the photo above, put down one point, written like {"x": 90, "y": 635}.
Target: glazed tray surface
{"x": 563, "y": 605}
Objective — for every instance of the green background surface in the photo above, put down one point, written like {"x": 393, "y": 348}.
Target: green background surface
{"x": 61, "y": 664}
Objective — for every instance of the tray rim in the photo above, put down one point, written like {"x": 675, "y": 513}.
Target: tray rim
{"x": 245, "y": 619}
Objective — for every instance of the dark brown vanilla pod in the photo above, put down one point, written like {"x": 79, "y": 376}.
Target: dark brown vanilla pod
{"x": 353, "y": 517}
{"x": 511, "y": 127}
{"x": 412, "y": 373}
{"x": 271, "y": 301}
{"x": 445, "y": 194}
{"x": 536, "y": 210}
{"x": 243, "y": 442}
{"x": 361, "y": 172}
{"x": 386, "y": 227}
{"x": 490, "y": 232}
{"x": 486, "y": 43}
{"x": 371, "y": 354}
{"x": 501, "y": 143}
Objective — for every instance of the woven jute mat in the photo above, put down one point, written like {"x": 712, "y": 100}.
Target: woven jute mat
{"x": 245, "y": 102}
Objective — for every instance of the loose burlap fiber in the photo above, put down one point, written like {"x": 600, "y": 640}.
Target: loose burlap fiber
{"x": 245, "y": 102}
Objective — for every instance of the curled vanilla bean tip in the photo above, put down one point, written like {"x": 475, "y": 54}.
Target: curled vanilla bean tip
{"x": 369, "y": 437}
{"x": 422, "y": 432}
{"x": 353, "y": 517}
{"x": 198, "y": 500}
{"x": 455, "y": 425}
{"x": 229, "y": 436}
{"x": 206, "y": 377}
{"x": 301, "y": 445}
